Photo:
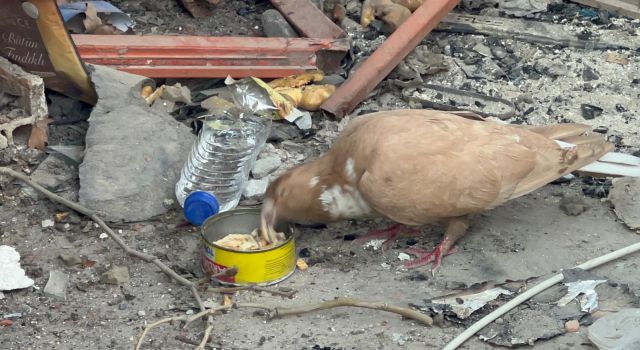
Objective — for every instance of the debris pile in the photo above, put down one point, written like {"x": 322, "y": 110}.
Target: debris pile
{"x": 519, "y": 62}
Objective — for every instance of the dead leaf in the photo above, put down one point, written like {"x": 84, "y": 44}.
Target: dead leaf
{"x": 106, "y": 29}
{"x": 39, "y": 134}
{"x": 302, "y": 265}
{"x": 618, "y": 58}
{"x": 91, "y": 21}
{"x": 87, "y": 263}
{"x": 298, "y": 80}
{"x": 227, "y": 300}
{"x": 196, "y": 8}
{"x": 146, "y": 91}
{"x": 6, "y": 323}
{"x": 61, "y": 216}
{"x": 155, "y": 95}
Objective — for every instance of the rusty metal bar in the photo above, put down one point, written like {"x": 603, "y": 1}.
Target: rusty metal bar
{"x": 307, "y": 19}
{"x": 387, "y": 57}
{"x": 156, "y": 56}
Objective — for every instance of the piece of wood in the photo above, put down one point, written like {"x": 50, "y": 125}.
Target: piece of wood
{"x": 628, "y": 8}
{"x": 536, "y": 32}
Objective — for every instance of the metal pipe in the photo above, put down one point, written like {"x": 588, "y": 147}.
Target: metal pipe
{"x": 157, "y": 56}
{"x": 387, "y": 57}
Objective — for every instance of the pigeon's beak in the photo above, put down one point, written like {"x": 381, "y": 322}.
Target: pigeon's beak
{"x": 268, "y": 220}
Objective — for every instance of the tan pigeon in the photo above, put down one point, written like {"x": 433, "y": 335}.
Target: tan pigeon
{"x": 418, "y": 167}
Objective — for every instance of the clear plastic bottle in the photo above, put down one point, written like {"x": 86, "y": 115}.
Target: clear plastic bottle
{"x": 222, "y": 157}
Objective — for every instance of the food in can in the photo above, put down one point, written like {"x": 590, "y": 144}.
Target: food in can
{"x": 253, "y": 241}
{"x": 264, "y": 266}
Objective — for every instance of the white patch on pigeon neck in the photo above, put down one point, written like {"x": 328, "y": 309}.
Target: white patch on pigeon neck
{"x": 314, "y": 181}
{"x": 350, "y": 170}
{"x": 344, "y": 202}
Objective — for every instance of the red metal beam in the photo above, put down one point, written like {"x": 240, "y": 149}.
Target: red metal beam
{"x": 156, "y": 56}
{"x": 387, "y": 57}
{"x": 307, "y": 19}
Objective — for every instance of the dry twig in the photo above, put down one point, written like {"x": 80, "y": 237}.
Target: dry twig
{"x": 254, "y": 288}
{"x": 280, "y": 312}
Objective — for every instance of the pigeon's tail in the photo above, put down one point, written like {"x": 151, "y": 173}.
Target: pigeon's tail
{"x": 577, "y": 135}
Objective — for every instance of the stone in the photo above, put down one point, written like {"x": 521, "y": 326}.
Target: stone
{"x": 51, "y": 174}
{"x": 350, "y": 26}
{"x": 589, "y": 74}
{"x": 116, "y": 275}
{"x": 28, "y": 90}
{"x": 71, "y": 154}
{"x": 498, "y": 52}
{"x": 590, "y": 111}
{"x": 70, "y": 259}
{"x": 47, "y": 223}
{"x": 266, "y": 166}
{"x": 274, "y": 25}
{"x": 624, "y": 195}
{"x": 134, "y": 153}
{"x": 572, "y": 326}
{"x": 573, "y": 206}
{"x": 56, "y": 286}
{"x": 353, "y": 7}
{"x": 12, "y": 276}
{"x": 141, "y": 313}
{"x": 255, "y": 189}
{"x": 617, "y": 330}
{"x": 403, "y": 256}
{"x": 399, "y": 339}
{"x": 177, "y": 93}
{"x": 333, "y": 79}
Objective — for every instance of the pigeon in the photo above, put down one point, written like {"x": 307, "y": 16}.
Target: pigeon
{"x": 417, "y": 167}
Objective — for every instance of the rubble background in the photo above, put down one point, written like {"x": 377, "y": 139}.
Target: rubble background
{"x": 524, "y": 240}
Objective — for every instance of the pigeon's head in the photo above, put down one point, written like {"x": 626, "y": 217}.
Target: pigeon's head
{"x": 294, "y": 197}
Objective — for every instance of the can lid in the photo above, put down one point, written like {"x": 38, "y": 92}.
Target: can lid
{"x": 199, "y": 206}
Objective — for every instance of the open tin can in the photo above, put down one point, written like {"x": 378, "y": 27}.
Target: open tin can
{"x": 261, "y": 267}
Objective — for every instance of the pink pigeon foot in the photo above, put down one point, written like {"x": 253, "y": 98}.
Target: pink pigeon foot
{"x": 390, "y": 234}
{"x": 425, "y": 257}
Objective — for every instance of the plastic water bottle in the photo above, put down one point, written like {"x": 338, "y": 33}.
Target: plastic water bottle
{"x": 221, "y": 159}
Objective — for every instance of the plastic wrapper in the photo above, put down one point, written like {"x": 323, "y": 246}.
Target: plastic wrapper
{"x": 464, "y": 305}
{"x": 586, "y": 291}
{"x": 255, "y": 95}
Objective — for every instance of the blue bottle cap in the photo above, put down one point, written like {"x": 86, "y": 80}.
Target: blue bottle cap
{"x": 199, "y": 206}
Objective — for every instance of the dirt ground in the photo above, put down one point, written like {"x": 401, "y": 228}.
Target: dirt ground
{"x": 515, "y": 245}
{"x": 528, "y": 238}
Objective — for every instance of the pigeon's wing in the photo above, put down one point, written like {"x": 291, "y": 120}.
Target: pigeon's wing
{"x": 425, "y": 166}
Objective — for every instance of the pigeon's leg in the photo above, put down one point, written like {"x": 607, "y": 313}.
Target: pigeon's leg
{"x": 456, "y": 228}
{"x": 389, "y": 234}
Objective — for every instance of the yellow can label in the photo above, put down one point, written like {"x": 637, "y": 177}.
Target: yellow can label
{"x": 254, "y": 267}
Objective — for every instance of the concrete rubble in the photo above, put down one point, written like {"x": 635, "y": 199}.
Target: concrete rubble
{"x": 116, "y": 275}
{"x": 625, "y": 198}
{"x": 12, "y": 276}
{"x": 133, "y": 154}
{"x": 56, "y": 286}
{"x": 23, "y": 93}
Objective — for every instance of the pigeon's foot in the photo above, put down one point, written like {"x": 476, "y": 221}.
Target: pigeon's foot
{"x": 424, "y": 257}
{"x": 389, "y": 234}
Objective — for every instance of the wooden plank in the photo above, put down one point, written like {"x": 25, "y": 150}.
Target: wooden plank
{"x": 628, "y": 8}
{"x": 536, "y": 32}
